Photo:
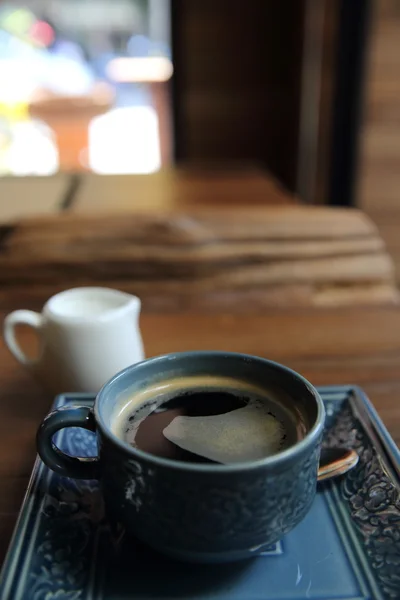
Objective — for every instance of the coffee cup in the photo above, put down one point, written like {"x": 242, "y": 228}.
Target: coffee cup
{"x": 198, "y": 512}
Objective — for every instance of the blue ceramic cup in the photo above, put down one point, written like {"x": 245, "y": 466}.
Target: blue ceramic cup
{"x": 196, "y": 512}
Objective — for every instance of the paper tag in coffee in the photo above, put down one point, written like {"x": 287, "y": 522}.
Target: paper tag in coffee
{"x": 248, "y": 433}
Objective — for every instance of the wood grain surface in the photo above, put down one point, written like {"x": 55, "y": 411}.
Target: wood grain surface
{"x": 379, "y": 175}
{"x": 330, "y": 346}
{"x": 237, "y": 80}
{"x": 206, "y": 258}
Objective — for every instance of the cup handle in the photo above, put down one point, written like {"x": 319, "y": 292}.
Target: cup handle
{"x": 21, "y": 317}
{"x": 56, "y": 459}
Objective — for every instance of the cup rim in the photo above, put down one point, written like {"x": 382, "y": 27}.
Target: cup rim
{"x": 52, "y": 311}
{"x": 272, "y": 461}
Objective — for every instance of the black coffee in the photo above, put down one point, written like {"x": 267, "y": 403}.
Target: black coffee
{"x": 142, "y": 420}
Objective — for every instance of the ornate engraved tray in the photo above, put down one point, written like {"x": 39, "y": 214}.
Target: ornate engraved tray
{"x": 348, "y": 547}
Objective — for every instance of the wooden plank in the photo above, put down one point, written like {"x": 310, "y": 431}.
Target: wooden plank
{"x": 387, "y": 221}
{"x": 206, "y": 258}
{"x": 237, "y": 87}
{"x": 178, "y": 190}
{"x": 163, "y": 277}
{"x": 22, "y": 197}
{"x": 205, "y": 225}
{"x": 379, "y": 180}
{"x": 239, "y": 301}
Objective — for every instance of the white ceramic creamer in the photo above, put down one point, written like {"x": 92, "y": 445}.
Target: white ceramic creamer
{"x": 86, "y": 335}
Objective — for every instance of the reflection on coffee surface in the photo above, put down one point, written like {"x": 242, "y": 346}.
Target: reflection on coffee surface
{"x": 208, "y": 419}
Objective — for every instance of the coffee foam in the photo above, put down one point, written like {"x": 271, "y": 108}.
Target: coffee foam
{"x": 248, "y": 433}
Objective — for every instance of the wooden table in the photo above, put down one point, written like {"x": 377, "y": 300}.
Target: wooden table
{"x": 204, "y": 259}
{"x": 32, "y": 196}
{"x": 179, "y": 189}
{"x": 328, "y": 346}
{"x": 232, "y": 184}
